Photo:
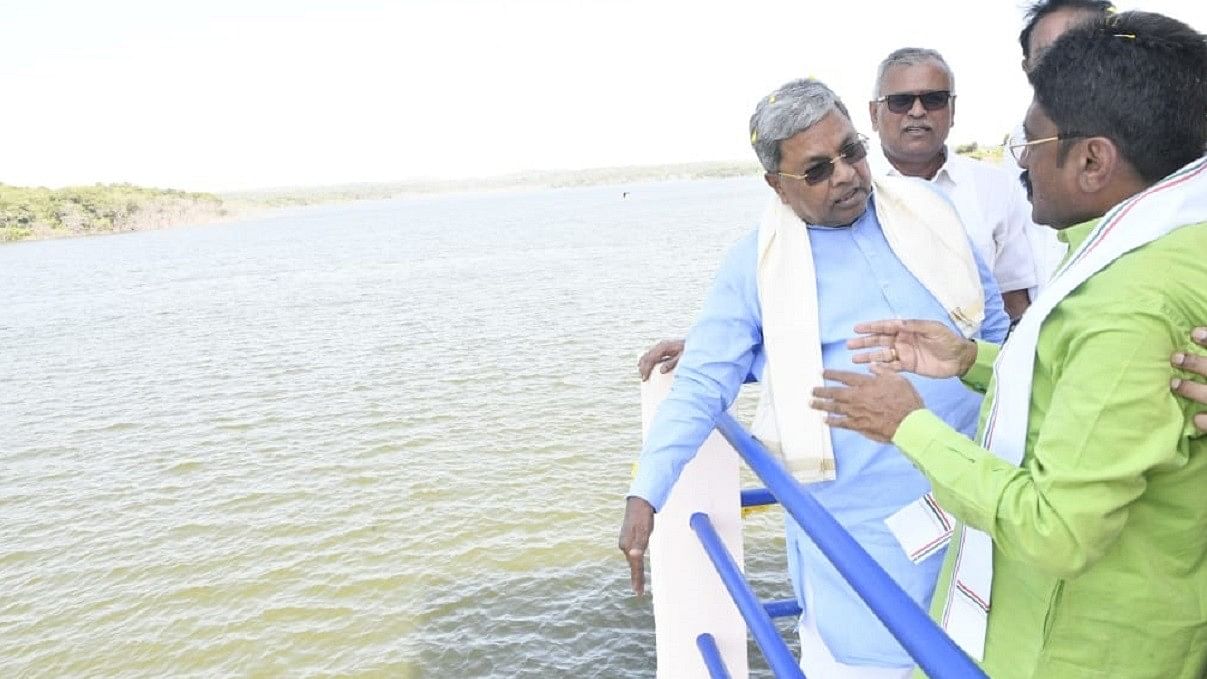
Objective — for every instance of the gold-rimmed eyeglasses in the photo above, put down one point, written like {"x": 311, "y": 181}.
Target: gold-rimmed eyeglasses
{"x": 1018, "y": 148}
{"x": 852, "y": 152}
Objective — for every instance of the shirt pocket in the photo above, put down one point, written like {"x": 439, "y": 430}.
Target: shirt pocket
{"x": 1054, "y": 598}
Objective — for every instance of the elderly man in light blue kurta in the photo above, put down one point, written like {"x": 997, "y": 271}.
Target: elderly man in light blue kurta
{"x": 833, "y": 248}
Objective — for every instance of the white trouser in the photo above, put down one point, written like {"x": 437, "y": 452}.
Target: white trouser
{"x": 817, "y": 662}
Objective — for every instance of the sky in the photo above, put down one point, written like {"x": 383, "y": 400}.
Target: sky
{"x": 221, "y": 95}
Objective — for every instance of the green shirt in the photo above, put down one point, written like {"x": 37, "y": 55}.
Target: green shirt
{"x": 1100, "y": 535}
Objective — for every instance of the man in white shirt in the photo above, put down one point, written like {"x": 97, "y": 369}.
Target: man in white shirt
{"x": 912, "y": 112}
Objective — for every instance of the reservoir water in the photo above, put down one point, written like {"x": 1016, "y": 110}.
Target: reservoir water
{"x": 378, "y": 439}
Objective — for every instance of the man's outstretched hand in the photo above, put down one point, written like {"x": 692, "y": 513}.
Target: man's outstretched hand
{"x": 635, "y": 539}
{"x": 873, "y": 405}
{"x": 926, "y": 348}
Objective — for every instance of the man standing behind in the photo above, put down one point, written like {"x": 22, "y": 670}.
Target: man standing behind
{"x": 834, "y": 246}
{"x": 1046, "y": 21}
{"x": 913, "y": 111}
{"x": 1090, "y": 480}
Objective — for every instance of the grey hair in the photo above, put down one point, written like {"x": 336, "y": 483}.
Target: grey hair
{"x": 790, "y": 110}
{"x": 912, "y": 56}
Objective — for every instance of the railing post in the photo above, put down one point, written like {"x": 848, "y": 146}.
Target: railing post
{"x": 689, "y": 597}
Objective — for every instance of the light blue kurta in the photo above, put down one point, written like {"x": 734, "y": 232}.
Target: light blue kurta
{"x": 859, "y": 279}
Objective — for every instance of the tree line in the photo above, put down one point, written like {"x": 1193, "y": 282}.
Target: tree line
{"x": 27, "y": 212}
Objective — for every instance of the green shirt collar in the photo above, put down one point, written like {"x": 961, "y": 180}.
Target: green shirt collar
{"x": 1074, "y": 235}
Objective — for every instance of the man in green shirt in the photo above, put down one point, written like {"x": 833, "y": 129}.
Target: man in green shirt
{"x": 1091, "y": 490}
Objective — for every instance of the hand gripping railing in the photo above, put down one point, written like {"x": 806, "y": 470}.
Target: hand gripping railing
{"x": 929, "y": 646}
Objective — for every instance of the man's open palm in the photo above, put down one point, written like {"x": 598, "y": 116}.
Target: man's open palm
{"x": 926, "y": 348}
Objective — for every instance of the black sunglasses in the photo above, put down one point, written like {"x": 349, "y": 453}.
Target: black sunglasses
{"x": 852, "y": 152}
{"x": 931, "y": 101}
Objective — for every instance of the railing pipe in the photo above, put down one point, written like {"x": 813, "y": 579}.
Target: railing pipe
{"x": 779, "y": 658}
{"x": 930, "y": 647}
{"x": 757, "y": 497}
{"x": 712, "y": 656}
{"x": 782, "y": 608}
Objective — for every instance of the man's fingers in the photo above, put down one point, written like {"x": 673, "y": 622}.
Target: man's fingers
{"x": 880, "y": 369}
{"x": 666, "y": 352}
{"x": 828, "y": 406}
{"x": 885, "y": 359}
{"x": 832, "y": 393}
{"x": 663, "y": 350}
{"x": 839, "y": 422}
{"x": 884, "y": 327}
{"x": 645, "y": 365}
{"x": 884, "y": 355}
{"x": 1192, "y": 390}
{"x": 636, "y": 557}
{"x": 848, "y": 378}
{"x": 635, "y": 537}
{"x": 870, "y": 341}
{"x": 1200, "y": 422}
{"x": 1200, "y": 336}
{"x": 633, "y": 543}
{"x": 1192, "y": 362}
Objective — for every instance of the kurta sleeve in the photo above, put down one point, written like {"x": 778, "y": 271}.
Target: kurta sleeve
{"x": 717, "y": 358}
{"x": 978, "y": 376}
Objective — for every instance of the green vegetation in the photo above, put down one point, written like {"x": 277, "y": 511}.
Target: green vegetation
{"x": 991, "y": 154}
{"x": 103, "y": 208}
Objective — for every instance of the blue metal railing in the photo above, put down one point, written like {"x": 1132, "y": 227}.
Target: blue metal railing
{"x": 779, "y": 657}
{"x": 782, "y": 608}
{"x": 712, "y": 657}
{"x": 929, "y": 646}
{"x": 757, "y": 497}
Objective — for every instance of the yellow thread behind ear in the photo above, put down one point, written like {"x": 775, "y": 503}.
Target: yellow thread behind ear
{"x": 754, "y": 137}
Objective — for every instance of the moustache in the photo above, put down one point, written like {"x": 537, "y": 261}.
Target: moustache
{"x": 1024, "y": 178}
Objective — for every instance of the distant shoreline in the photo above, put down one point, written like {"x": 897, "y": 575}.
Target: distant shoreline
{"x": 542, "y": 179}
{"x": 28, "y": 214}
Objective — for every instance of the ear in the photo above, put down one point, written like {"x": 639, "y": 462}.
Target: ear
{"x": 872, "y": 106}
{"x": 773, "y": 180}
{"x": 1023, "y": 65}
{"x": 952, "y": 113}
{"x": 1098, "y": 164}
